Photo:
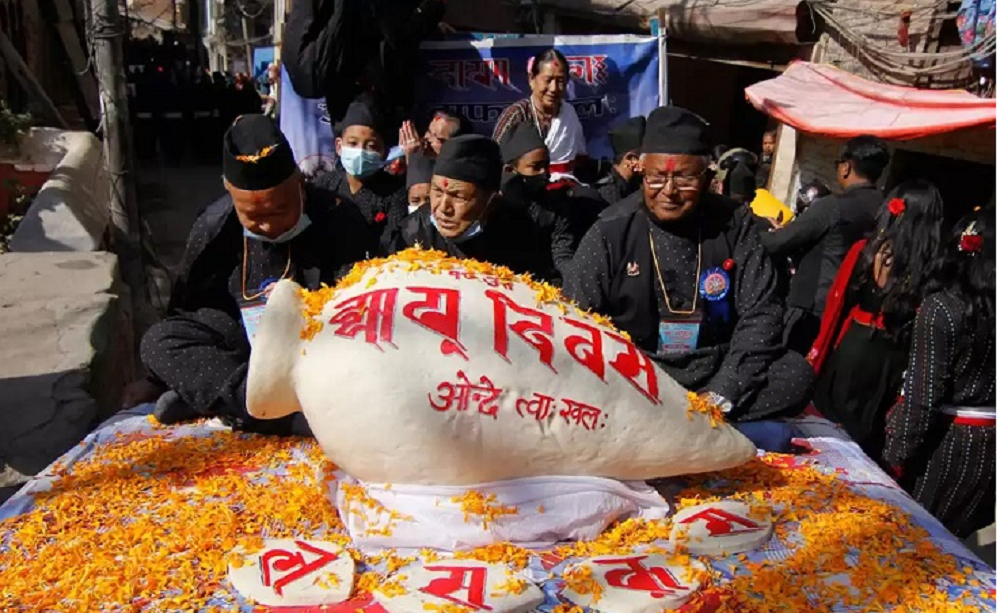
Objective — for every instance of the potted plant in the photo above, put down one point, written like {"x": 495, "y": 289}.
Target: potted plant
{"x": 19, "y": 180}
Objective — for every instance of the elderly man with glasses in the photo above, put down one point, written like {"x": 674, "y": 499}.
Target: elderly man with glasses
{"x": 683, "y": 272}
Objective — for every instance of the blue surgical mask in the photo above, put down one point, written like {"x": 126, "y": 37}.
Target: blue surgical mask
{"x": 360, "y": 162}
{"x": 471, "y": 232}
{"x": 294, "y": 231}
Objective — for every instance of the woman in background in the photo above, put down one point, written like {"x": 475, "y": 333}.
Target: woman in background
{"x": 864, "y": 340}
{"x": 546, "y": 108}
{"x": 941, "y": 437}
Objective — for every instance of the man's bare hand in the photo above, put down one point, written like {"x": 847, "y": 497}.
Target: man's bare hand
{"x": 409, "y": 140}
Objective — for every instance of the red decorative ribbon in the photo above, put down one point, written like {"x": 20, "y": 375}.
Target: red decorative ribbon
{"x": 970, "y": 243}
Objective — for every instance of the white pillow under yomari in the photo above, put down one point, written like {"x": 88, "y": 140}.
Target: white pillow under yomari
{"x": 421, "y": 369}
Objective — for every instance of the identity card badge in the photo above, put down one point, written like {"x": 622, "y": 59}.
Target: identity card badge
{"x": 251, "y": 313}
{"x": 679, "y": 333}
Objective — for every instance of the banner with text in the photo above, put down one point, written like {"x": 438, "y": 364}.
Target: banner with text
{"x": 612, "y": 78}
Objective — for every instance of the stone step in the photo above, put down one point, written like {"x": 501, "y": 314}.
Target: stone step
{"x": 65, "y": 354}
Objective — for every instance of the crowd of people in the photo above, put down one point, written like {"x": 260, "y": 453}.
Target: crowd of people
{"x": 861, "y": 306}
{"x": 179, "y": 111}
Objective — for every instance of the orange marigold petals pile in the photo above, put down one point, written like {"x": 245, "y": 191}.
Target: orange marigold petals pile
{"x": 700, "y": 404}
{"x": 514, "y": 585}
{"x": 887, "y": 559}
{"x": 437, "y": 262}
{"x": 498, "y": 553}
{"x": 476, "y": 505}
{"x": 581, "y": 580}
{"x": 153, "y": 519}
{"x": 151, "y": 522}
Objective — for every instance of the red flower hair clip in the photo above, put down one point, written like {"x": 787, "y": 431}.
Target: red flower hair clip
{"x": 971, "y": 241}
{"x": 897, "y": 206}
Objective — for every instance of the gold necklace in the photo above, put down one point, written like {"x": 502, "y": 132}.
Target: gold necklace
{"x": 663, "y": 288}
{"x": 288, "y": 266}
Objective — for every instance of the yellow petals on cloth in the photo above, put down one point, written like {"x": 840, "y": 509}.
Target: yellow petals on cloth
{"x": 150, "y": 521}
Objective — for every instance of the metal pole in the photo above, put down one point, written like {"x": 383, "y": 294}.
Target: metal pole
{"x": 247, "y": 47}
{"x": 107, "y": 31}
{"x": 661, "y": 35}
{"x": 279, "y": 27}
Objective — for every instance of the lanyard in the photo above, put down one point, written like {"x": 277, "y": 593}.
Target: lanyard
{"x": 659, "y": 275}
{"x": 288, "y": 266}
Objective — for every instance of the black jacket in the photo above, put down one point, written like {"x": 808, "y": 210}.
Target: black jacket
{"x": 582, "y": 205}
{"x": 551, "y": 217}
{"x": 511, "y": 237}
{"x": 212, "y": 265}
{"x": 381, "y": 201}
{"x": 614, "y": 187}
{"x": 820, "y": 239}
{"x": 338, "y": 49}
{"x": 614, "y": 274}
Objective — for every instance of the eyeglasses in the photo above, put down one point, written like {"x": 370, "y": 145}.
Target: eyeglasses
{"x": 682, "y": 183}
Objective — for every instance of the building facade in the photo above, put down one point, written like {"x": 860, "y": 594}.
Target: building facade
{"x": 901, "y": 43}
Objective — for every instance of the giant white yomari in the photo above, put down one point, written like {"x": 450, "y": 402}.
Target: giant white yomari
{"x": 423, "y": 369}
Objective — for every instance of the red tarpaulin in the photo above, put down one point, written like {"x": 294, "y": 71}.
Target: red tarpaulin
{"x": 821, "y": 99}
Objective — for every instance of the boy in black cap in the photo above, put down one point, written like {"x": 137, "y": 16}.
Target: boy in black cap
{"x": 467, "y": 216}
{"x": 525, "y": 184}
{"x": 419, "y": 170}
{"x": 359, "y": 179}
{"x": 686, "y": 276}
{"x": 625, "y": 177}
{"x": 271, "y": 226}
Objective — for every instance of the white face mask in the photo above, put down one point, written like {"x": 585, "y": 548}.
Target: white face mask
{"x": 360, "y": 162}
{"x": 299, "y": 227}
{"x": 475, "y": 228}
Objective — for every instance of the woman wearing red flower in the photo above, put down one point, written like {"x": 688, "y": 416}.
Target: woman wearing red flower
{"x": 941, "y": 437}
{"x": 862, "y": 347}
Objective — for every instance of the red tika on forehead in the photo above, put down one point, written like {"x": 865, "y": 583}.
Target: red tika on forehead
{"x": 670, "y": 165}
{"x": 444, "y": 182}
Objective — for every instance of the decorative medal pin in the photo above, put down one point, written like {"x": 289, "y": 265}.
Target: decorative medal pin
{"x": 632, "y": 269}
{"x": 714, "y": 287}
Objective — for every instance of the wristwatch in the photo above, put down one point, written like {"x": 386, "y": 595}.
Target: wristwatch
{"x": 720, "y": 401}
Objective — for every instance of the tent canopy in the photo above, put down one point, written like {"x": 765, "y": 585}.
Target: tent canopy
{"x": 824, "y": 100}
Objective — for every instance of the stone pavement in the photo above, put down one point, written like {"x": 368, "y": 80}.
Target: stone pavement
{"x": 65, "y": 321}
{"x": 65, "y": 354}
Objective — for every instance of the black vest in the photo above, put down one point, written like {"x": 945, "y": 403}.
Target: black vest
{"x": 633, "y": 305}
